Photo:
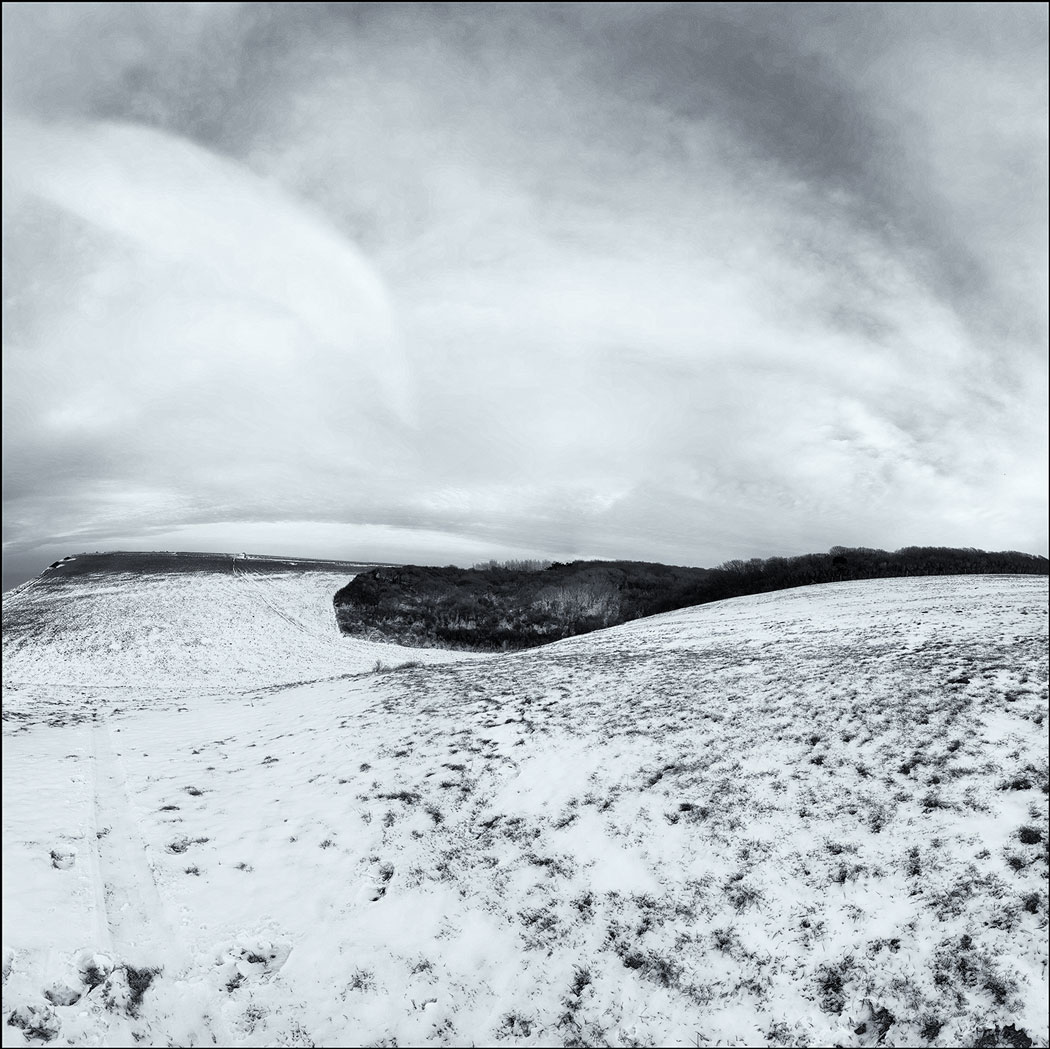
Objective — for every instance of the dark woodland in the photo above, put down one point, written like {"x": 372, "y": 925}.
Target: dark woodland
{"x": 504, "y": 607}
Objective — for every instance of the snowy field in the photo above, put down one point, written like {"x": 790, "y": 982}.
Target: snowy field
{"x": 814, "y": 817}
{"x": 106, "y": 637}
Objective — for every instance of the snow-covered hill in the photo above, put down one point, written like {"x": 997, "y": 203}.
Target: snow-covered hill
{"x": 814, "y": 817}
{"x": 240, "y": 623}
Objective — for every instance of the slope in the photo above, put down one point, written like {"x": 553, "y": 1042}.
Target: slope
{"x": 811, "y": 817}
{"x": 109, "y": 626}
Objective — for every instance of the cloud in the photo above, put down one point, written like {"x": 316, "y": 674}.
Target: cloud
{"x": 687, "y": 281}
{"x": 206, "y": 324}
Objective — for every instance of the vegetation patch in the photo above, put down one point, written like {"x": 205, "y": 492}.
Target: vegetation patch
{"x": 524, "y": 604}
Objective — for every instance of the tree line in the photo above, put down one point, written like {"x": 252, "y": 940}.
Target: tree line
{"x": 839, "y": 564}
{"x": 513, "y": 605}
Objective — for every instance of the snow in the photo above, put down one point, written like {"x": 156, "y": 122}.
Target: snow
{"x": 109, "y": 637}
{"x": 763, "y": 821}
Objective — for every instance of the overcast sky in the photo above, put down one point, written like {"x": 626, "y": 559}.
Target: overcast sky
{"x": 442, "y": 282}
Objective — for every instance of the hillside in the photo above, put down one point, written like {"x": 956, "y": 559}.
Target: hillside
{"x": 813, "y": 817}
{"x": 500, "y": 608}
{"x": 213, "y": 622}
{"x": 504, "y": 608}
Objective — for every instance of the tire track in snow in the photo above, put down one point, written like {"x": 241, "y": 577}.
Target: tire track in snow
{"x": 147, "y": 981}
{"x": 130, "y": 906}
{"x": 293, "y": 621}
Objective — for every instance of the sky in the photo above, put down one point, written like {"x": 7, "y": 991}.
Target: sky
{"x": 450, "y": 282}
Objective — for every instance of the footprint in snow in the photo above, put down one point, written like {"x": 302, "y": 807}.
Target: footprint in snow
{"x": 251, "y": 959}
{"x": 374, "y": 890}
{"x": 93, "y": 967}
{"x": 64, "y": 991}
{"x": 36, "y": 1021}
{"x": 63, "y": 857}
